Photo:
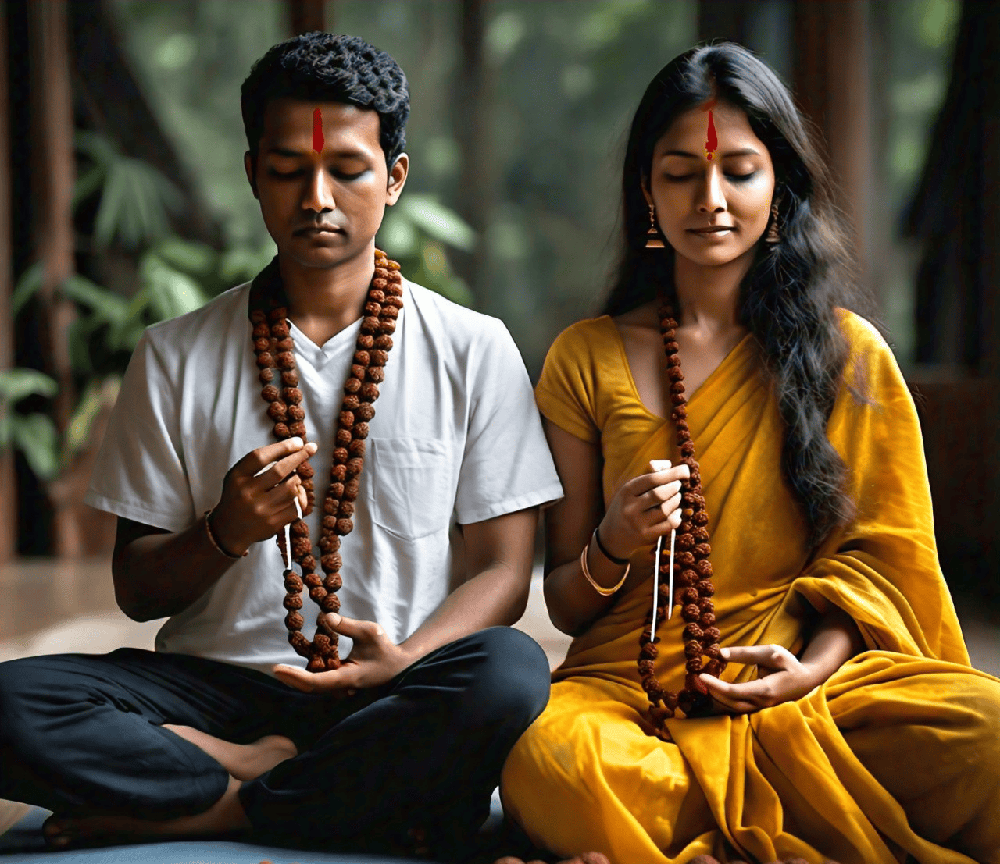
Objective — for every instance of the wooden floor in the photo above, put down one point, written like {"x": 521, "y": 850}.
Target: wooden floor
{"x": 49, "y": 606}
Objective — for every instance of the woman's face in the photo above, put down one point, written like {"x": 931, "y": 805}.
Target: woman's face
{"x": 711, "y": 205}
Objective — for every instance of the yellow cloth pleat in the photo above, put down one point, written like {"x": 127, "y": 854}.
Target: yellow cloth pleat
{"x": 896, "y": 755}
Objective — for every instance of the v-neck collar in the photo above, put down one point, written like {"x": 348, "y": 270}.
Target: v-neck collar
{"x": 318, "y": 356}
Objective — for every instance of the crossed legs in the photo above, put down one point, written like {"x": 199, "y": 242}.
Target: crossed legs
{"x": 135, "y": 744}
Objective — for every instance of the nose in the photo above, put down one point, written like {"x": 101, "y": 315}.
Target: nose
{"x": 319, "y": 193}
{"x": 711, "y": 194}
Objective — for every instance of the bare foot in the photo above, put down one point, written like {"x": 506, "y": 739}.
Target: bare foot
{"x": 242, "y": 761}
{"x": 225, "y": 816}
{"x": 586, "y": 858}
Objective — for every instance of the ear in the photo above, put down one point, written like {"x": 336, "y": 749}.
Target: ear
{"x": 645, "y": 192}
{"x": 397, "y": 178}
{"x": 250, "y": 166}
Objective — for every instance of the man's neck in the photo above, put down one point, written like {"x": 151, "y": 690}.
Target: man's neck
{"x": 322, "y": 301}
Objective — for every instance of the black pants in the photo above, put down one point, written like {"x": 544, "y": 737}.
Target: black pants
{"x": 84, "y": 731}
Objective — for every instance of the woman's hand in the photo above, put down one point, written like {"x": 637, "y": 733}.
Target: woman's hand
{"x": 783, "y": 678}
{"x": 644, "y": 509}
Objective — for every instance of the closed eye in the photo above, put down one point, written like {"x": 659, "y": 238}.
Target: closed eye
{"x": 348, "y": 176}
{"x": 736, "y": 178}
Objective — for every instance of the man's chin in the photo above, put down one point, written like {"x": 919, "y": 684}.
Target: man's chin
{"x": 319, "y": 259}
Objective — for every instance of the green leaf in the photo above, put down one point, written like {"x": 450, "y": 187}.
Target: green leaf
{"x": 96, "y": 396}
{"x": 398, "y": 235}
{"x": 36, "y": 437}
{"x": 79, "y": 335}
{"x": 16, "y": 384}
{"x": 135, "y": 201}
{"x": 184, "y": 255}
{"x": 242, "y": 263}
{"x": 98, "y": 147}
{"x": 27, "y": 285}
{"x": 171, "y": 293}
{"x": 106, "y": 305}
{"x": 439, "y": 222}
{"x": 87, "y": 183}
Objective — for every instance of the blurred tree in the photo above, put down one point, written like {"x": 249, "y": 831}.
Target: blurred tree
{"x": 518, "y": 119}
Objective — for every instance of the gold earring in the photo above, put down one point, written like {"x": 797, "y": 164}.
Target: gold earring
{"x": 773, "y": 237}
{"x": 654, "y": 240}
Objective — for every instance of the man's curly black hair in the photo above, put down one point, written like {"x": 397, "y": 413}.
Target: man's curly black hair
{"x": 323, "y": 67}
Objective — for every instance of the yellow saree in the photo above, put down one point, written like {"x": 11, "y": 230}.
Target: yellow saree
{"x": 896, "y": 755}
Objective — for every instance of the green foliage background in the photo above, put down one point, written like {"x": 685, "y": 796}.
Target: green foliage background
{"x": 563, "y": 79}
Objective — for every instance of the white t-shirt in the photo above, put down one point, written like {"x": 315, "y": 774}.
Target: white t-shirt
{"x": 456, "y": 438}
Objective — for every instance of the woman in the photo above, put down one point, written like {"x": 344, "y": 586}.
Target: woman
{"x": 847, "y": 723}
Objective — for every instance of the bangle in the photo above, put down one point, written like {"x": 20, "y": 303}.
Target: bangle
{"x": 600, "y": 589}
{"x": 215, "y": 543}
{"x": 614, "y": 559}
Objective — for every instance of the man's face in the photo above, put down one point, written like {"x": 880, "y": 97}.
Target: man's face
{"x": 322, "y": 206}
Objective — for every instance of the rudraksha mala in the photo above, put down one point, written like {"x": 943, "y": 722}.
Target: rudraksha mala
{"x": 692, "y": 574}
{"x": 275, "y": 352}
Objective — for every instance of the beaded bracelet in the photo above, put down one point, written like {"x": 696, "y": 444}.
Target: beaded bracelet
{"x": 600, "y": 589}
{"x": 215, "y": 543}
{"x": 614, "y": 559}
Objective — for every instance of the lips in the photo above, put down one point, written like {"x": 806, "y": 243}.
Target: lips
{"x": 318, "y": 229}
{"x": 712, "y": 229}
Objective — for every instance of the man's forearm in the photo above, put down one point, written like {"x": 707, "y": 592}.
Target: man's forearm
{"x": 496, "y": 596}
{"x": 157, "y": 575}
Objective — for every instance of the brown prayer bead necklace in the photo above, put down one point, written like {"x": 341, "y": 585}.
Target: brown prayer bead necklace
{"x": 692, "y": 571}
{"x": 275, "y": 351}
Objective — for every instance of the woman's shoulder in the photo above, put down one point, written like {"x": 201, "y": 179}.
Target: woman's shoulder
{"x": 583, "y": 343}
{"x": 588, "y": 331}
{"x": 861, "y": 334}
{"x": 871, "y": 364}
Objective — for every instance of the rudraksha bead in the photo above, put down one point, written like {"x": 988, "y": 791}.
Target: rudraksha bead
{"x": 690, "y": 565}
{"x": 274, "y": 352}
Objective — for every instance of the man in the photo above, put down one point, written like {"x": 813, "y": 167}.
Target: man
{"x": 221, "y": 729}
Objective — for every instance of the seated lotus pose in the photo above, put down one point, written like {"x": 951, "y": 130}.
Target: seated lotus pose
{"x": 398, "y": 459}
{"x": 766, "y": 661}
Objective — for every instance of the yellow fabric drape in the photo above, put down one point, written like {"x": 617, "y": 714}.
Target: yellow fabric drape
{"x": 897, "y": 754}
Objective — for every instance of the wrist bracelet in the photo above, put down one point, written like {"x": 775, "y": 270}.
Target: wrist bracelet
{"x": 614, "y": 559}
{"x": 215, "y": 543}
{"x": 600, "y": 589}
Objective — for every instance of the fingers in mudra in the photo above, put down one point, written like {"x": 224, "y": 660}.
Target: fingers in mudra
{"x": 782, "y": 678}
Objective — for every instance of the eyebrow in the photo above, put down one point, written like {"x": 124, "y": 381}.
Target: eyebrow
{"x": 745, "y": 151}
{"x": 289, "y": 153}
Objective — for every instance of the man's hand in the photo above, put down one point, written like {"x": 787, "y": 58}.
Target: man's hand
{"x": 784, "y": 678}
{"x": 374, "y": 659}
{"x": 258, "y": 495}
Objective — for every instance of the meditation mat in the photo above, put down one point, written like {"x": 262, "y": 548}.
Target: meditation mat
{"x": 24, "y": 844}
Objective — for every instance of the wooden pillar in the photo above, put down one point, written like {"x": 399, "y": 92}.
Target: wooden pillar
{"x": 832, "y": 85}
{"x": 8, "y": 486}
{"x": 469, "y": 117}
{"x": 305, "y": 16}
{"x": 989, "y": 315}
{"x": 52, "y": 178}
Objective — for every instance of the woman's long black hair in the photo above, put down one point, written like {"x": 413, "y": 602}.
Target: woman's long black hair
{"x": 789, "y": 296}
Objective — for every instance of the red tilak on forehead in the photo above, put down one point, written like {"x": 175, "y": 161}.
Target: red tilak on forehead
{"x": 317, "y": 131}
{"x": 712, "y": 144}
